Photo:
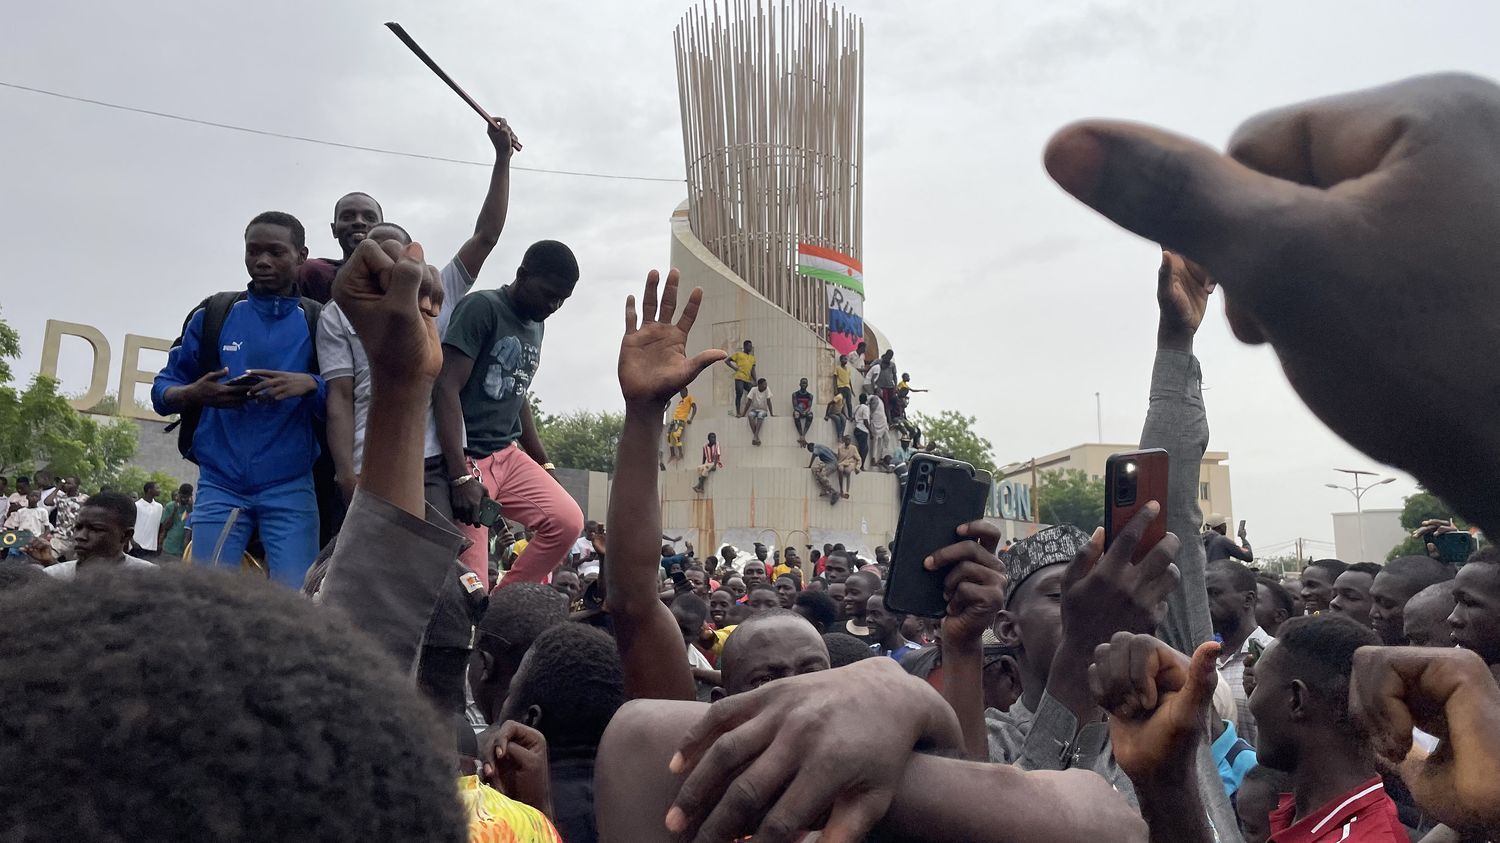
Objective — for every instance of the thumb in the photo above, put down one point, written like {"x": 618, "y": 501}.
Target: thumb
{"x": 704, "y": 359}
{"x": 1173, "y": 190}
{"x": 1203, "y": 674}
{"x": 404, "y": 281}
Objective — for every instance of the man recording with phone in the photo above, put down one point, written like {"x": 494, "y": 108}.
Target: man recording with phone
{"x": 244, "y": 376}
{"x": 1218, "y": 546}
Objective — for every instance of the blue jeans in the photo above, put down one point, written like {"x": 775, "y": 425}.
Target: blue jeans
{"x": 285, "y": 514}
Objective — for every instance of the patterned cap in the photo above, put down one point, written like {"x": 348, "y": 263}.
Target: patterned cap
{"x": 1052, "y": 546}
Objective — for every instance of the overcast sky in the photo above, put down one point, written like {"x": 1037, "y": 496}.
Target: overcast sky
{"x": 1005, "y": 297}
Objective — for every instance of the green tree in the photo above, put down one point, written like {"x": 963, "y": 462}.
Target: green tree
{"x": 39, "y": 429}
{"x": 133, "y": 478}
{"x": 1419, "y": 507}
{"x": 1068, "y": 496}
{"x": 581, "y": 439}
{"x": 951, "y": 433}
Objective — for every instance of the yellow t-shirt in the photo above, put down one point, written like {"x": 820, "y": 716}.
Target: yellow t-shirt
{"x": 685, "y": 409}
{"x": 780, "y": 569}
{"x": 841, "y": 377}
{"x": 744, "y": 364}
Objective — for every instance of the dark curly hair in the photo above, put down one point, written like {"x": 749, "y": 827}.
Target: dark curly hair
{"x": 573, "y": 674}
{"x": 1322, "y": 648}
{"x": 197, "y": 705}
{"x": 845, "y": 649}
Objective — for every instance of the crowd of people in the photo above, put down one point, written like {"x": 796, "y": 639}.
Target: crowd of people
{"x": 872, "y": 431}
{"x": 612, "y": 688}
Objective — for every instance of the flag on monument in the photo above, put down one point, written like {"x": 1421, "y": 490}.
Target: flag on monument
{"x": 846, "y": 293}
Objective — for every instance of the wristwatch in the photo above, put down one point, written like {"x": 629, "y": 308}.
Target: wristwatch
{"x": 460, "y": 480}
{"x": 547, "y": 466}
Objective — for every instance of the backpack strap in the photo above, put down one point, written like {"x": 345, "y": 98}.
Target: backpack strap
{"x": 215, "y": 312}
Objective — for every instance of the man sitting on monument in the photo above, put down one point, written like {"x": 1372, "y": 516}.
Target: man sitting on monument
{"x": 757, "y": 405}
{"x": 802, "y": 414}
{"x": 244, "y": 377}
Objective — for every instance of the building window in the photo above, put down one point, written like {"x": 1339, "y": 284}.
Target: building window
{"x": 1203, "y": 491}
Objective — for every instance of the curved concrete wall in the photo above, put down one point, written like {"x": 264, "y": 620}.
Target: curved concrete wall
{"x": 765, "y": 493}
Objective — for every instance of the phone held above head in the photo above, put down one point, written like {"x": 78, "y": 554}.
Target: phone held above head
{"x": 941, "y": 494}
{"x": 1131, "y": 480}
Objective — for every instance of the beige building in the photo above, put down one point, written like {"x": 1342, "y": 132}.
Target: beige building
{"x": 1015, "y": 496}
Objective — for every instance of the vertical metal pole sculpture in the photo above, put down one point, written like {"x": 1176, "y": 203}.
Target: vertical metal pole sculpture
{"x": 772, "y": 99}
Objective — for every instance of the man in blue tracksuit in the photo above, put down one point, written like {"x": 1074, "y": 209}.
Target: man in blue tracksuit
{"x": 255, "y": 441}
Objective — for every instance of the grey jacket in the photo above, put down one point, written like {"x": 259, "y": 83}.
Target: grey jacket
{"x": 1049, "y": 738}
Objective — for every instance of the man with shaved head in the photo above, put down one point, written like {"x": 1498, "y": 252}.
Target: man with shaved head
{"x": 1424, "y": 622}
{"x": 773, "y": 644}
{"x": 1396, "y": 584}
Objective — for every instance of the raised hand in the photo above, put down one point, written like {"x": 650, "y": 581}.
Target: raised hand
{"x": 654, "y": 364}
{"x": 1158, "y": 702}
{"x": 975, "y": 585}
{"x": 1339, "y": 227}
{"x": 1448, "y": 693}
{"x": 776, "y": 759}
{"x": 392, "y": 297}
{"x": 513, "y": 758}
{"x": 505, "y": 140}
{"x": 1103, "y": 593}
{"x": 1182, "y": 291}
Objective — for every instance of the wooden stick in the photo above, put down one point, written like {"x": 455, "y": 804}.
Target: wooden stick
{"x": 443, "y": 75}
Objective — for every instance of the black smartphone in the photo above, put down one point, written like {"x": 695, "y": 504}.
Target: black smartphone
{"x": 489, "y": 511}
{"x": 941, "y": 495}
{"x": 1454, "y": 548}
{"x": 246, "y": 379}
{"x": 680, "y": 583}
{"x": 1130, "y": 480}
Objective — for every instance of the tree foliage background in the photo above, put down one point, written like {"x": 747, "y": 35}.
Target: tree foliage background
{"x": 38, "y": 429}
{"x": 581, "y": 439}
{"x": 1068, "y": 496}
{"x": 951, "y": 434}
{"x": 1419, "y": 507}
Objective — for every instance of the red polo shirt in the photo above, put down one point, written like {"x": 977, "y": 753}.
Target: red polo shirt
{"x": 1363, "y": 815}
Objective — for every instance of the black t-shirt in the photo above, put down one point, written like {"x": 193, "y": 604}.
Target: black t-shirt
{"x": 572, "y": 780}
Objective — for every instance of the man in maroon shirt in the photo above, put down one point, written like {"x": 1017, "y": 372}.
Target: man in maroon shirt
{"x": 353, "y": 217}
{"x": 1301, "y": 706}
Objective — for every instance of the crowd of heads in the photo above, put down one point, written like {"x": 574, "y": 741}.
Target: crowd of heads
{"x": 191, "y": 704}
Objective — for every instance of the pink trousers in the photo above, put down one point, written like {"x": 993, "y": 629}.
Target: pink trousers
{"x": 528, "y": 494}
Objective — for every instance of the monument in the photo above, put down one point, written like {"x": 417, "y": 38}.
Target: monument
{"x": 772, "y": 102}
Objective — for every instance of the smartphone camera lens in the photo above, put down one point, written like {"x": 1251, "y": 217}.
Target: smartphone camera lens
{"x": 1125, "y": 487}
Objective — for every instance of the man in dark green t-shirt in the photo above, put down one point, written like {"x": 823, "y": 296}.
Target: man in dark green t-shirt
{"x": 481, "y": 401}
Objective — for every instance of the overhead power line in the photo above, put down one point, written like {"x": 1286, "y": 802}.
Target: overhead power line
{"x": 337, "y": 144}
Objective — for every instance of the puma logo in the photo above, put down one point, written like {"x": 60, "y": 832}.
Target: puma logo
{"x": 232, "y": 346}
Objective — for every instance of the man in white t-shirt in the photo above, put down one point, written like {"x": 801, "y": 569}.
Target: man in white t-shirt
{"x": 342, "y": 358}
{"x": 101, "y": 537}
{"x": 757, "y": 407}
{"x": 147, "y": 521}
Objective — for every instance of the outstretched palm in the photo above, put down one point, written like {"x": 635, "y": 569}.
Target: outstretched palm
{"x": 653, "y": 357}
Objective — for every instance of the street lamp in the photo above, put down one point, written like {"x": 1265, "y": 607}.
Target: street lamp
{"x": 1359, "y": 492}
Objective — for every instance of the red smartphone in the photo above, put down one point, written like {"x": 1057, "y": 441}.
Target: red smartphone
{"x": 1130, "y": 480}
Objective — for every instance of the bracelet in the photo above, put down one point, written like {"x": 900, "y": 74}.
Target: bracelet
{"x": 547, "y": 466}
{"x": 459, "y": 481}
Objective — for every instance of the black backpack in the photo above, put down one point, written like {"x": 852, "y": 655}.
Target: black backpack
{"x": 215, "y": 311}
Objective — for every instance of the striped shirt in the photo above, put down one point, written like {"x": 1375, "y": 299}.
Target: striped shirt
{"x": 1363, "y": 815}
